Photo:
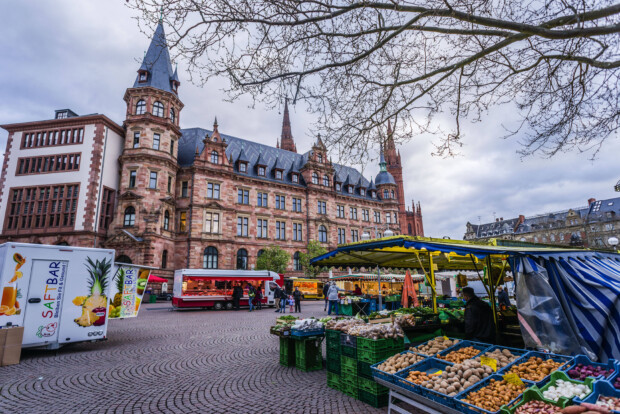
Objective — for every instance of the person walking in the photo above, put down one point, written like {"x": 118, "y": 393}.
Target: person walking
{"x": 277, "y": 296}
{"x": 251, "y": 295}
{"x": 297, "y": 297}
{"x": 332, "y": 294}
{"x": 236, "y": 295}
{"x": 325, "y": 290}
{"x": 259, "y": 298}
{"x": 479, "y": 324}
{"x": 283, "y": 300}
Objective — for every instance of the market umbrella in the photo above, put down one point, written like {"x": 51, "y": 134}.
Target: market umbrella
{"x": 409, "y": 290}
{"x": 157, "y": 279}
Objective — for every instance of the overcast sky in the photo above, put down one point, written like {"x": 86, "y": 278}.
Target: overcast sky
{"x": 84, "y": 54}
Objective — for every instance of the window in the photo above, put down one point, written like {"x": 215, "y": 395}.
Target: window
{"x": 261, "y": 171}
{"x": 260, "y": 253}
{"x": 243, "y": 196}
{"x": 261, "y": 228}
{"x": 214, "y": 157}
{"x": 212, "y": 222}
{"x": 315, "y": 178}
{"x": 392, "y": 194}
{"x": 261, "y": 199}
{"x": 153, "y": 180}
{"x": 183, "y": 221}
{"x": 61, "y": 115}
{"x": 552, "y": 237}
{"x": 297, "y": 205}
{"x": 377, "y": 217}
{"x": 213, "y": 191}
{"x": 353, "y": 213}
{"x": 388, "y": 218}
{"x": 132, "y": 178}
{"x": 373, "y": 194}
{"x": 322, "y": 234}
{"x": 294, "y": 178}
{"x": 136, "y": 139}
{"x": 362, "y": 192}
{"x": 123, "y": 259}
{"x": 142, "y": 76}
{"x": 141, "y": 107}
{"x": 243, "y": 167}
{"x": 172, "y": 147}
{"x": 242, "y": 226}
{"x": 338, "y": 186}
{"x": 280, "y": 202}
{"x": 350, "y": 189}
{"x": 169, "y": 183}
{"x": 130, "y": 217}
{"x": 342, "y": 236}
{"x": 379, "y": 235}
{"x": 340, "y": 211}
{"x": 158, "y": 109}
{"x": 209, "y": 258}
{"x": 107, "y": 205}
{"x": 395, "y": 218}
{"x": 278, "y": 174}
{"x": 325, "y": 181}
{"x": 297, "y": 236}
{"x": 365, "y": 215}
{"x": 48, "y": 164}
{"x": 164, "y": 259}
{"x": 156, "y": 138}
{"x": 184, "y": 187}
{"x": 172, "y": 115}
{"x": 322, "y": 207}
{"x": 409, "y": 228}
{"x": 280, "y": 230}
{"x": 242, "y": 259}
{"x": 609, "y": 226}
{"x": 355, "y": 236}
{"x": 297, "y": 261}
{"x": 320, "y": 157}
{"x": 386, "y": 193}
{"x": 166, "y": 220}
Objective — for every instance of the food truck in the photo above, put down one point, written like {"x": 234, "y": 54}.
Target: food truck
{"x": 212, "y": 289}
{"x": 63, "y": 294}
{"x": 309, "y": 288}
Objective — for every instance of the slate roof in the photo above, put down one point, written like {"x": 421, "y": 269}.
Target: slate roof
{"x": 157, "y": 63}
{"x": 602, "y": 210}
{"x": 191, "y": 138}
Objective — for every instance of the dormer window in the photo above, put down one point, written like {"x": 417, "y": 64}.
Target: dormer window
{"x": 338, "y": 186}
{"x": 362, "y": 192}
{"x": 295, "y": 178}
{"x": 278, "y": 174}
{"x": 158, "y": 109}
{"x": 215, "y": 157}
{"x": 261, "y": 171}
{"x": 392, "y": 194}
{"x": 243, "y": 167}
{"x": 373, "y": 194}
{"x": 386, "y": 194}
{"x": 141, "y": 107}
{"x": 142, "y": 76}
{"x": 350, "y": 189}
{"x": 326, "y": 181}
{"x": 315, "y": 178}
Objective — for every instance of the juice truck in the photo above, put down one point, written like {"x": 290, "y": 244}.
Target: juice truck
{"x": 206, "y": 288}
{"x": 61, "y": 294}
{"x": 309, "y": 288}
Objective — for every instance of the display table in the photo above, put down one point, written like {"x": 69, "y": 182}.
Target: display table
{"x": 416, "y": 400}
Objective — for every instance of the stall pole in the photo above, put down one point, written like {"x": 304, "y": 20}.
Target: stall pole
{"x": 379, "y": 281}
{"x": 492, "y": 290}
{"x": 433, "y": 283}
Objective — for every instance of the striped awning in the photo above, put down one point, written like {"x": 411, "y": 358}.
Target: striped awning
{"x": 373, "y": 277}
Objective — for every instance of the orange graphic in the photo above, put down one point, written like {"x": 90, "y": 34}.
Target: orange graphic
{"x": 9, "y": 296}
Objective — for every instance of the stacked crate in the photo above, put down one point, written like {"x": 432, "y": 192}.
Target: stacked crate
{"x": 308, "y": 354}
{"x": 332, "y": 351}
{"x": 348, "y": 365}
{"x": 287, "y": 351}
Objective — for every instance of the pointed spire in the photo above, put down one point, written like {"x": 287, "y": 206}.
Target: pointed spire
{"x": 319, "y": 141}
{"x": 382, "y": 162}
{"x": 216, "y": 133}
{"x": 389, "y": 130}
{"x": 161, "y": 14}
{"x": 156, "y": 63}
{"x": 286, "y": 138}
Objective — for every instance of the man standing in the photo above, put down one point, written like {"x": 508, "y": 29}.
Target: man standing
{"x": 325, "y": 290}
{"x": 297, "y": 297}
{"x": 236, "y": 295}
{"x": 502, "y": 298}
{"x": 479, "y": 324}
{"x": 332, "y": 294}
{"x": 277, "y": 295}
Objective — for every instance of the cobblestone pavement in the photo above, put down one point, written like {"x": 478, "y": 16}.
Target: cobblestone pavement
{"x": 173, "y": 362}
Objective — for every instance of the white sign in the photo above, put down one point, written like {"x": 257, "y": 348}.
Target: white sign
{"x": 130, "y": 284}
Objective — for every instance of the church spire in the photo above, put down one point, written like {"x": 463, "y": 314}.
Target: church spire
{"x": 286, "y": 139}
{"x": 156, "y": 69}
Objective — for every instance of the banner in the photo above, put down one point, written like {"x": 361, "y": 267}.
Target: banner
{"x": 129, "y": 285}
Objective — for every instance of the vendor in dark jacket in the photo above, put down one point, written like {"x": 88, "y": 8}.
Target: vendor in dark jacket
{"x": 237, "y": 293}
{"x": 479, "y": 324}
{"x": 502, "y": 298}
{"x": 325, "y": 290}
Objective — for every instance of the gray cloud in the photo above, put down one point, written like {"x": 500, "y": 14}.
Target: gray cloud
{"x": 83, "y": 55}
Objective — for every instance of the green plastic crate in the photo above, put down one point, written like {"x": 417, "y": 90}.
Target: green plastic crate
{"x": 348, "y": 351}
{"x": 561, "y": 375}
{"x": 332, "y": 336}
{"x": 372, "y": 357}
{"x": 346, "y": 362}
{"x": 333, "y": 380}
{"x": 332, "y": 347}
{"x": 372, "y": 344}
{"x": 287, "y": 352}
{"x": 333, "y": 365}
{"x": 376, "y": 401}
{"x": 371, "y": 386}
{"x": 308, "y": 355}
{"x": 348, "y": 371}
{"x": 348, "y": 389}
{"x": 363, "y": 370}
{"x": 531, "y": 394}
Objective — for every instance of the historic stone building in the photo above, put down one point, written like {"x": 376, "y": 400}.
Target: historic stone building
{"x": 589, "y": 226}
{"x": 174, "y": 198}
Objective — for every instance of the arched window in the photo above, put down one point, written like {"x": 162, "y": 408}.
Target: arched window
{"x": 209, "y": 258}
{"x": 326, "y": 180}
{"x": 214, "y": 157}
{"x": 386, "y": 194}
{"x": 158, "y": 109}
{"x": 296, "y": 261}
{"x": 123, "y": 258}
{"x": 166, "y": 220}
{"x": 130, "y": 216}
{"x": 260, "y": 253}
{"x": 173, "y": 115}
{"x": 164, "y": 259}
{"x": 141, "y": 107}
{"x": 242, "y": 259}
{"x": 322, "y": 234}
{"x": 315, "y": 178}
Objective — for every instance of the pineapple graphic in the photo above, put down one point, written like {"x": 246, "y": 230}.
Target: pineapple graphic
{"x": 120, "y": 280}
{"x": 94, "y": 307}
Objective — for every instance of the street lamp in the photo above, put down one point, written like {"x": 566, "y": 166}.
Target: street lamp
{"x": 365, "y": 236}
{"x": 613, "y": 242}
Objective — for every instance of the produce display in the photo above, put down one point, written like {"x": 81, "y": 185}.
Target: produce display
{"x": 399, "y": 362}
{"x": 405, "y": 321}
{"x": 418, "y": 377}
{"x": 611, "y": 403}
{"x": 535, "y": 368}
{"x": 581, "y": 372}
{"x": 375, "y": 332}
{"x": 343, "y": 325}
{"x": 566, "y": 389}
{"x": 460, "y": 355}
{"x": 458, "y": 377}
{"x": 538, "y": 407}
{"x": 309, "y": 324}
{"x": 494, "y": 395}
{"x": 503, "y": 357}
{"x": 434, "y": 346}
{"x": 616, "y": 383}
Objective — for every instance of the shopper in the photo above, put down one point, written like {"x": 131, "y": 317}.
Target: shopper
{"x": 291, "y": 303}
{"x": 251, "y": 295}
{"x": 333, "y": 298}
{"x": 297, "y": 297}
{"x": 277, "y": 295}
{"x": 283, "y": 299}
{"x": 325, "y": 290}
{"x": 236, "y": 295}
{"x": 358, "y": 291}
{"x": 502, "y": 298}
{"x": 478, "y": 318}
{"x": 259, "y": 298}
